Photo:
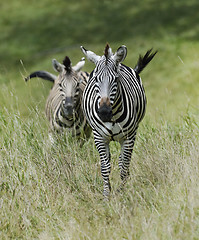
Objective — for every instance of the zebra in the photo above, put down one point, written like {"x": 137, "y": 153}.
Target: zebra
{"x": 64, "y": 104}
{"x": 114, "y": 104}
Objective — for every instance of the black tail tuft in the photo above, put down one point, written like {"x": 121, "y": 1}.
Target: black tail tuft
{"x": 143, "y": 61}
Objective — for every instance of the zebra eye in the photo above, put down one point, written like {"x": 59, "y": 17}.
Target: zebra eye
{"x": 97, "y": 88}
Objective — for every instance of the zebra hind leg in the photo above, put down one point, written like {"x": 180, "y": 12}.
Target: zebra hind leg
{"x": 124, "y": 161}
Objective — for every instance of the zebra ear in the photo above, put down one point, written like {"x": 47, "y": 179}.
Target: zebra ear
{"x": 120, "y": 54}
{"x": 79, "y": 65}
{"x": 58, "y": 67}
{"x": 90, "y": 55}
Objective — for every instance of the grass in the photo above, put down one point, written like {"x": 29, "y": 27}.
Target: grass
{"x": 55, "y": 192}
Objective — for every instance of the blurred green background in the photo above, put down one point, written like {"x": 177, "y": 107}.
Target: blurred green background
{"x": 33, "y": 32}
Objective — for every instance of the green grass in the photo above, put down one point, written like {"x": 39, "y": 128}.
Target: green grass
{"x": 55, "y": 192}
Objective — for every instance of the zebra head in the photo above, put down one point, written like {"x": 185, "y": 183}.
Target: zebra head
{"x": 106, "y": 75}
{"x": 68, "y": 81}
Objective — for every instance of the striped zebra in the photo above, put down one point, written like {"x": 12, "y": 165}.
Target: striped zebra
{"x": 64, "y": 103}
{"x": 114, "y": 104}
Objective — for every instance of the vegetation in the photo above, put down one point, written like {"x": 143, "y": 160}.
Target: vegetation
{"x": 55, "y": 192}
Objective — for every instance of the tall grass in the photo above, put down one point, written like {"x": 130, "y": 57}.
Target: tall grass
{"x": 55, "y": 192}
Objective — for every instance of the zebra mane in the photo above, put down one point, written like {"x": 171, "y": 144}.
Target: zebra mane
{"x": 106, "y": 53}
{"x": 67, "y": 64}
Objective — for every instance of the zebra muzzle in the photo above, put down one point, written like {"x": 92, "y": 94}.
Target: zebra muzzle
{"x": 68, "y": 107}
{"x": 105, "y": 113}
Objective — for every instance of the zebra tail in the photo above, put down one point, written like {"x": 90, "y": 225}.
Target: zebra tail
{"x": 143, "y": 61}
{"x": 42, "y": 74}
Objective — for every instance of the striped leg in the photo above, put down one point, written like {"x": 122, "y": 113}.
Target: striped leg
{"x": 125, "y": 159}
{"x": 103, "y": 149}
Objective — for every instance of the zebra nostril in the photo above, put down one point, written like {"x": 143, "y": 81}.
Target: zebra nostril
{"x": 105, "y": 113}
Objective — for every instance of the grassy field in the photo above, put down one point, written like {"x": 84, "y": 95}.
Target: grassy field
{"x": 55, "y": 192}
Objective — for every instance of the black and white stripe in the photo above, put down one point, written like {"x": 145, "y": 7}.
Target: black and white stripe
{"x": 64, "y": 103}
{"x": 114, "y": 103}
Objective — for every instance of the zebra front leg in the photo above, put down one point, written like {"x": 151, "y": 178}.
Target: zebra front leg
{"x": 104, "y": 152}
{"x": 125, "y": 159}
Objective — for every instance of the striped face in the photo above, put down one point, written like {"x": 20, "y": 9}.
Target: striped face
{"x": 69, "y": 88}
{"x": 68, "y": 83}
{"x": 106, "y": 77}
